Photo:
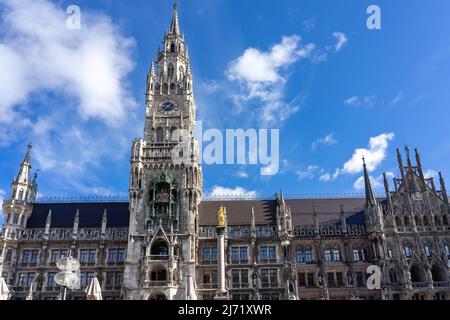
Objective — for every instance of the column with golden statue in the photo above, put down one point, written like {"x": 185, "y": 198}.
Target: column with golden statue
{"x": 222, "y": 292}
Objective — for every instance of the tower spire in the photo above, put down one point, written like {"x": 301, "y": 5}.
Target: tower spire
{"x": 370, "y": 198}
{"x": 174, "y": 25}
{"x": 24, "y": 172}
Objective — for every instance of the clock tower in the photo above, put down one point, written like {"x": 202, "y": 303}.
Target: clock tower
{"x": 165, "y": 182}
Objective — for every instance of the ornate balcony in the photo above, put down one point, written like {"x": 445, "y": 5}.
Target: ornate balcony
{"x": 422, "y": 284}
{"x": 440, "y": 284}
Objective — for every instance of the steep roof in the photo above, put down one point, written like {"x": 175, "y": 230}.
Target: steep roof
{"x": 91, "y": 214}
{"x": 238, "y": 212}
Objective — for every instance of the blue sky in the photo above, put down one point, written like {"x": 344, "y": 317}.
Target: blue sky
{"x": 342, "y": 91}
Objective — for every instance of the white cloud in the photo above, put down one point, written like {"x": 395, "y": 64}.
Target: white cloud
{"x": 341, "y": 40}
{"x": 309, "y": 173}
{"x": 430, "y": 174}
{"x": 39, "y": 53}
{"x": 63, "y": 78}
{"x": 328, "y": 140}
{"x": 352, "y": 101}
{"x": 367, "y": 102}
{"x": 327, "y": 177}
{"x": 374, "y": 154}
{"x": 309, "y": 24}
{"x": 242, "y": 174}
{"x": 397, "y": 98}
{"x": 257, "y": 66}
{"x": 376, "y": 183}
{"x": 260, "y": 75}
{"x": 219, "y": 191}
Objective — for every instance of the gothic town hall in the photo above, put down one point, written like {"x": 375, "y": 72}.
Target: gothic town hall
{"x": 164, "y": 243}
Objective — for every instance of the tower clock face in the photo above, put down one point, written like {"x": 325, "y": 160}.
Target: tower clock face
{"x": 168, "y": 107}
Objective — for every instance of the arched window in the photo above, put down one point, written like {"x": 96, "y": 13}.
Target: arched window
{"x": 406, "y": 221}
{"x": 393, "y": 276}
{"x": 173, "y": 87}
{"x": 159, "y": 135}
{"x": 417, "y": 220}
{"x": 157, "y": 88}
{"x": 398, "y": 222}
{"x": 172, "y": 47}
{"x": 445, "y": 220}
{"x": 171, "y": 71}
{"x": 165, "y": 88}
{"x": 425, "y": 221}
{"x": 407, "y": 250}
{"x": 417, "y": 274}
{"x": 160, "y": 249}
{"x": 427, "y": 249}
{"x": 438, "y": 273}
{"x": 437, "y": 221}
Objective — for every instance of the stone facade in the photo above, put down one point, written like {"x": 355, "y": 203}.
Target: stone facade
{"x": 163, "y": 243}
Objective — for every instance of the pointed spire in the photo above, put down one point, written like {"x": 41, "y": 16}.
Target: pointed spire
{"x": 400, "y": 164}
{"x": 370, "y": 198}
{"x": 408, "y": 158}
{"x": 152, "y": 68}
{"x": 24, "y": 172}
{"x": 443, "y": 189}
{"x": 420, "y": 169}
{"x": 27, "y": 156}
{"x": 174, "y": 25}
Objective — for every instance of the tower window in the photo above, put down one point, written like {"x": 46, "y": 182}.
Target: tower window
{"x": 171, "y": 71}
{"x": 159, "y": 134}
{"x": 172, "y": 47}
{"x": 165, "y": 88}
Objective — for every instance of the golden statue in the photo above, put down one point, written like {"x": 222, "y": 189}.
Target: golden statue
{"x": 221, "y": 216}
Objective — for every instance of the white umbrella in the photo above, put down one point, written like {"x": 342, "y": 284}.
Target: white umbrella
{"x": 30, "y": 293}
{"x": 94, "y": 291}
{"x": 4, "y": 291}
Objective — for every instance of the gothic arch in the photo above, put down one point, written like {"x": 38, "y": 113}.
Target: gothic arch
{"x": 417, "y": 220}
{"x": 438, "y": 273}
{"x": 165, "y": 89}
{"x": 417, "y": 274}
